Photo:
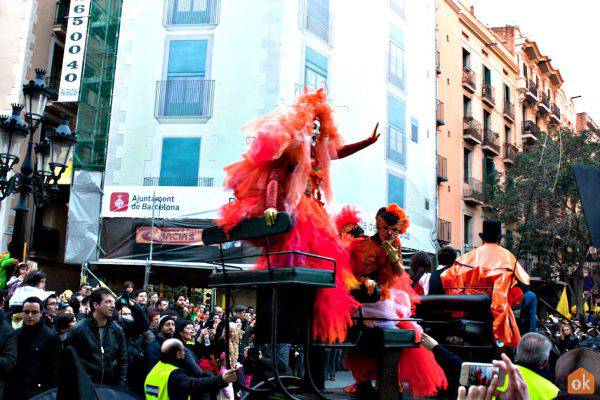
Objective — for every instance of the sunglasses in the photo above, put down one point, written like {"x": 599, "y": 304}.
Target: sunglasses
{"x": 32, "y": 312}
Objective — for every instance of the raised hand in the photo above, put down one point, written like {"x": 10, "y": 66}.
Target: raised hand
{"x": 375, "y": 135}
{"x": 270, "y": 216}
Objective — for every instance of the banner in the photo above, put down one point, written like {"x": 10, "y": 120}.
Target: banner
{"x": 169, "y": 236}
{"x": 170, "y": 202}
{"x": 75, "y": 45}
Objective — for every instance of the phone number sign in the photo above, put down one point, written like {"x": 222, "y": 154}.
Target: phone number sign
{"x": 75, "y": 43}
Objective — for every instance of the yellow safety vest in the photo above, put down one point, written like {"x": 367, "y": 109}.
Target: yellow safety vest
{"x": 539, "y": 387}
{"x": 156, "y": 385}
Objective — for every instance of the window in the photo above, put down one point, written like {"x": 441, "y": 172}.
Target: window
{"x": 467, "y": 165}
{"x": 466, "y": 59}
{"x": 467, "y": 238}
{"x": 192, "y": 12}
{"x": 506, "y": 94}
{"x": 180, "y": 161}
{"x": 414, "y": 130}
{"x": 315, "y": 71}
{"x": 487, "y": 75}
{"x": 396, "y": 58}
{"x": 487, "y": 120}
{"x": 466, "y": 106}
{"x": 396, "y": 143}
{"x": 427, "y": 204}
{"x": 507, "y": 134}
{"x": 395, "y": 190}
{"x": 317, "y": 18}
{"x": 525, "y": 70}
{"x": 187, "y": 58}
{"x": 397, "y": 6}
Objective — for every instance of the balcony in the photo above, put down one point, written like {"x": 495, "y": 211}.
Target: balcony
{"x": 185, "y": 100}
{"x": 472, "y": 130}
{"x": 317, "y": 20}
{"x": 438, "y": 68}
{"x": 555, "y": 113}
{"x": 442, "y": 169}
{"x": 444, "y": 232}
{"x": 531, "y": 91}
{"x": 473, "y": 192}
{"x": 192, "y": 181}
{"x": 544, "y": 105}
{"x": 509, "y": 110}
{"x": 488, "y": 94}
{"x": 60, "y": 19}
{"x": 510, "y": 152}
{"x": 187, "y": 13}
{"x": 490, "y": 143}
{"x": 439, "y": 114}
{"x": 468, "y": 79}
{"x": 531, "y": 132}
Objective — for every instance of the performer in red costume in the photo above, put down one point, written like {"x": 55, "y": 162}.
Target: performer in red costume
{"x": 286, "y": 168}
{"x": 377, "y": 265}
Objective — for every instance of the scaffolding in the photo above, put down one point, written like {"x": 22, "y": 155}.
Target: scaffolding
{"x": 95, "y": 99}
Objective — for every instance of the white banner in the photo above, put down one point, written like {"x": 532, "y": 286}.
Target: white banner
{"x": 171, "y": 202}
{"x": 75, "y": 44}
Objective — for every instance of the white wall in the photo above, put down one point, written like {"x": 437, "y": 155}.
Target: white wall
{"x": 257, "y": 60}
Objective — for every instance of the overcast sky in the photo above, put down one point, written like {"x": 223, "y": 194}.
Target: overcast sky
{"x": 567, "y": 32}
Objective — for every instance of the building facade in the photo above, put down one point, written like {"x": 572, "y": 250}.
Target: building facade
{"x": 480, "y": 134}
{"x": 189, "y": 76}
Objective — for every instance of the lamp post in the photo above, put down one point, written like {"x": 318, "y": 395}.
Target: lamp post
{"x": 44, "y": 161}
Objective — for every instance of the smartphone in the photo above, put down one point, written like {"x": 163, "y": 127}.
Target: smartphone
{"x": 477, "y": 374}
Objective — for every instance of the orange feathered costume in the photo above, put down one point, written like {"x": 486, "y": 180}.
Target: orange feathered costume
{"x": 489, "y": 270}
{"x": 286, "y": 169}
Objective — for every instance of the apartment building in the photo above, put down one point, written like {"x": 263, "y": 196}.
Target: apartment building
{"x": 480, "y": 133}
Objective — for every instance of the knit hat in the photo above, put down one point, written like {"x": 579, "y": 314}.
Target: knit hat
{"x": 163, "y": 320}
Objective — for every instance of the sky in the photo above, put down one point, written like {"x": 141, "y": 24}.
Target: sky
{"x": 566, "y": 31}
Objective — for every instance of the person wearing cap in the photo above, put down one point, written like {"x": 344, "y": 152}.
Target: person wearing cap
{"x": 491, "y": 269}
{"x": 168, "y": 381}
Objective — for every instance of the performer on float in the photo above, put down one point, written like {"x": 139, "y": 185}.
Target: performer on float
{"x": 386, "y": 293}
{"x": 286, "y": 168}
{"x": 491, "y": 269}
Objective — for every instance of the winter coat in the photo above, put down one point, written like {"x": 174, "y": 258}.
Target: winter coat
{"x": 8, "y": 351}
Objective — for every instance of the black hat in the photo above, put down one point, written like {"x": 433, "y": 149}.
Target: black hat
{"x": 163, "y": 320}
{"x": 492, "y": 231}
{"x": 239, "y": 309}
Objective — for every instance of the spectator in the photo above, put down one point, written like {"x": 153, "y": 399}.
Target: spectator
{"x": 8, "y": 351}
{"x": 50, "y": 311}
{"x": 38, "y": 354}
{"x": 527, "y": 320}
{"x": 141, "y": 297}
{"x": 134, "y": 322}
{"x": 7, "y": 263}
{"x": 100, "y": 342}
{"x": 152, "y": 303}
{"x": 239, "y": 312}
{"x": 450, "y": 362}
{"x": 64, "y": 322}
{"x": 33, "y": 286}
{"x": 85, "y": 290}
{"x": 125, "y": 313}
{"x": 446, "y": 257}
{"x": 154, "y": 317}
{"x": 573, "y": 360}
{"x": 84, "y": 309}
{"x": 420, "y": 272}
{"x": 17, "y": 279}
{"x": 167, "y": 376}
{"x": 179, "y": 305}
{"x": 566, "y": 339}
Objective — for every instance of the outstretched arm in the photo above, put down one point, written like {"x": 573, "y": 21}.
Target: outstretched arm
{"x": 275, "y": 181}
{"x": 349, "y": 149}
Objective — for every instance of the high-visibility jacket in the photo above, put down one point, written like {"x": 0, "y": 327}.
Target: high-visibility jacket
{"x": 156, "y": 386}
{"x": 539, "y": 387}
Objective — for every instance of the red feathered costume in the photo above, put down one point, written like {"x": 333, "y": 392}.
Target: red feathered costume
{"x": 373, "y": 262}
{"x": 287, "y": 168}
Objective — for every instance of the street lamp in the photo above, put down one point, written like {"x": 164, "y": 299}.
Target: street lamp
{"x": 43, "y": 163}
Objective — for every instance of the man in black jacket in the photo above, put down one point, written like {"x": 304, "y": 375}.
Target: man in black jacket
{"x": 168, "y": 376}
{"x": 100, "y": 342}
{"x": 8, "y": 351}
{"x": 50, "y": 312}
{"x": 38, "y": 350}
{"x": 134, "y": 329}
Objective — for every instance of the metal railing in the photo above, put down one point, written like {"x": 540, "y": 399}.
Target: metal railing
{"x": 490, "y": 139}
{"x": 530, "y": 128}
{"x": 468, "y": 77}
{"x": 532, "y": 87}
{"x": 439, "y": 113}
{"x": 444, "y": 231}
{"x": 545, "y": 100}
{"x": 442, "y": 168}
{"x": 509, "y": 109}
{"x": 190, "y": 181}
{"x": 488, "y": 92}
{"x": 473, "y": 189}
{"x": 62, "y": 11}
{"x": 192, "y": 12}
{"x": 555, "y": 110}
{"x": 53, "y": 84}
{"x": 472, "y": 128}
{"x": 316, "y": 19}
{"x": 184, "y": 97}
{"x": 510, "y": 151}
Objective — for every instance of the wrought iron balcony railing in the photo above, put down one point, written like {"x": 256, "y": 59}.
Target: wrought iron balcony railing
{"x": 442, "y": 169}
{"x": 472, "y": 130}
{"x": 556, "y": 111}
{"x": 468, "y": 78}
{"x": 532, "y": 87}
{"x": 510, "y": 152}
{"x": 191, "y": 181}
{"x": 439, "y": 113}
{"x": 316, "y": 19}
{"x": 184, "y": 98}
{"x": 488, "y": 93}
{"x": 509, "y": 110}
{"x": 530, "y": 128}
{"x": 191, "y": 12}
{"x": 473, "y": 191}
{"x": 444, "y": 231}
{"x": 490, "y": 141}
